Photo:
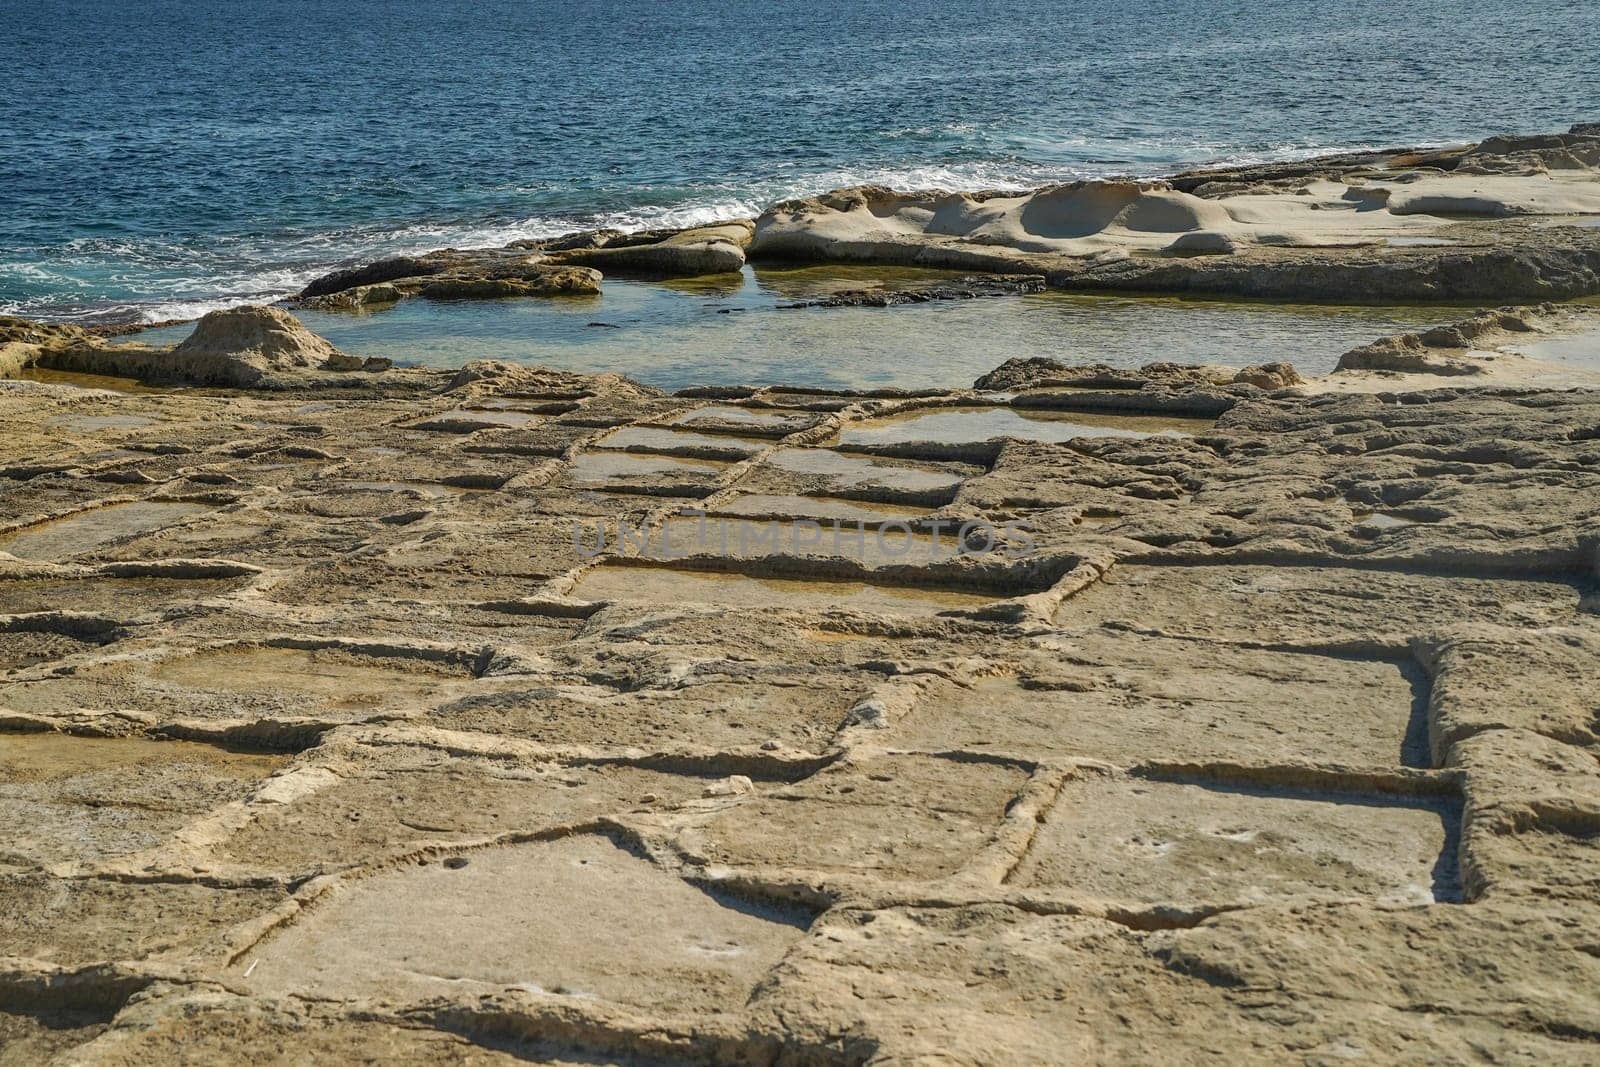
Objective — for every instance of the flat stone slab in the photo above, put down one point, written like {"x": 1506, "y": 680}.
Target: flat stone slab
{"x": 1124, "y": 699}
{"x": 736, "y": 709}
{"x": 76, "y": 922}
{"x": 893, "y": 543}
{"x": 88, "y": 799}
{"x": 325, "y": 682}
{"x": 125, "y": 596}
{"x": 824, "y": 472}
{"x": 902, "y": 817}
{"x": 578, "y": 917}
{"x": 82, "y": 532}
{"x": 371, "y": 813}
{"x": 1312, "y": 603}
{"x": 1181, "y": 844}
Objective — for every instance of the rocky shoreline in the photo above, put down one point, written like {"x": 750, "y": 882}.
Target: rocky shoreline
{"x": 1508, "y": 219}
{"x": 489, "y": 714}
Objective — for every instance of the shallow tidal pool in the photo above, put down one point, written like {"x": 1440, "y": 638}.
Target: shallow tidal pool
{"x": 731, "y": 329}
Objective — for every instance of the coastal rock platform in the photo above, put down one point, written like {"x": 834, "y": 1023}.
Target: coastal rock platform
{"x": 1510, "y": 219}
{"x": 1087, "y": 715}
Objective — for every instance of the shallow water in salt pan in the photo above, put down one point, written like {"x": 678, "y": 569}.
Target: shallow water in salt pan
{"x": 69, "y": 536}
{"x": 729, "y": 413}
{"x": 587, "y": 919}
{"x": 84, "y": 381}
{"x": 667, "y": 440}
{"x": 821, "y": 508}
{"x": 972, "y": 424}
{"x": 669, "y": 588}
{"x": 1580, "y": 350}
{"x": 311, "y": 676}
{"x": 849, "y": 472}
{"x": 601, "y": 467}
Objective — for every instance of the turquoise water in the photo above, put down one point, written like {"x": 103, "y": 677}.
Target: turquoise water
{"x": 159, "y": 158}
{"x": 720, "y": 332}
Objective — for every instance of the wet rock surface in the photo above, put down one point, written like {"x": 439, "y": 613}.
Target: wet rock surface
{"x": 1084, "y": 716}
{"x": 970, "y": 287}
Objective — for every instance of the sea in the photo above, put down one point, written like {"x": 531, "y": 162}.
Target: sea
{"x": 159, "y": 159}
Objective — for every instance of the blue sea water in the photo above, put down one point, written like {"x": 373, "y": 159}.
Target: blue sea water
{"x": 162, "y": 157}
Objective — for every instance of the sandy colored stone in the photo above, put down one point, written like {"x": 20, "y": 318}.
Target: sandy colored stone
{"x": 390, "y": 806}
{"x": 81, "y": 798}
{"x": 72, "y": 922}
{"x": 1313, "y": 604}
{"x": 1174, "y": 843}
{"x": 898, "y": 817}
{"x": 1123, "y": 698}
{"x": 212, "y": 1027}
{"x": 1273, "y": 744}
{"x": 586, "y": 919}
{"x": 1547, "y": 693}
{"x": 30, "y": 1039}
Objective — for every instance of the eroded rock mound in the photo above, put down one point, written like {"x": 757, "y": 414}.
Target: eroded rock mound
{"x": 243, "y": 347}
{"x": 262, "y": 337}
{"x": 491, "y": 377}
{"x": 1270, "y": 376}
{"x": 1078, "y": 218}
{"x": 1450, "y": 349}
{"x": 233, "y": 347}
{"x": 14, "y": 330}
{"x": 22, "y": 340}
{"x": 1037, "y": 372}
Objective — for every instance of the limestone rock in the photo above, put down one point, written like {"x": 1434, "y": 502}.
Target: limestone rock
{"x": 716, "y": 249}
{"x": 343, "y": 361}
{"x": 26, "y": 331}
{"x": 731, "y": 786}
{"x": 240, "y": 348}
{"x": 383, "y": 270}
{"x": 322, "y": 739}
{"x": 535, "y": 280}
{"x": 263, "y": 338}
{"x": 1204, "y": 243}
{"x": 1277, "y": 231}
{"x": 1467, "y": 346}
{"x": 561, "y": 266}
{"x": 1406, "y": 354}
{"x": 1270, "y": 376}
{"x": 362, "y": 296}
{"x": 1485, "y": 323}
